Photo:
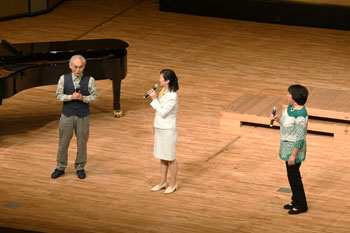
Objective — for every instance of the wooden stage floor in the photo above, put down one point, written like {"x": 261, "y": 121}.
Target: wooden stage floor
{"x": 228, "y": 181}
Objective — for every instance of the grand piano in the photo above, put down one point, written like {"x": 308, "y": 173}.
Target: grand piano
{"x": 27, "y": 65}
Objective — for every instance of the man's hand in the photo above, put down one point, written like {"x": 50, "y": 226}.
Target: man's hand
{"x": 77, "y": 96}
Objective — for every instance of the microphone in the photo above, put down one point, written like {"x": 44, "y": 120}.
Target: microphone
{"x": 274, "y": 114}
{"x": 77, "y": 89}
{"x": 154, "y": 87}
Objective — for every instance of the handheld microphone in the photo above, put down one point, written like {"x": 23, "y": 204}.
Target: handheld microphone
{"x": 274, "y": 110}
{"x": 154, "y": 87}
{"x": 77, "y": 89}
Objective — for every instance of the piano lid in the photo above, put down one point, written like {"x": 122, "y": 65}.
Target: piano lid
{"x": 59, "y": 49}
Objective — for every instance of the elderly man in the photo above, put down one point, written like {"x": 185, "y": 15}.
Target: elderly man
{"x": 76, "y": 91}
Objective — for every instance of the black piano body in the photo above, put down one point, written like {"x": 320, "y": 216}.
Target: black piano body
{"x": 27, "y": 65}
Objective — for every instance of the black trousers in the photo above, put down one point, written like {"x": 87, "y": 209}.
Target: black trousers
{"x": 296, "y": 184}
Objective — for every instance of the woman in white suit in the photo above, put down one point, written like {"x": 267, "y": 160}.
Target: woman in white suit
{"x": 165, "y": 133}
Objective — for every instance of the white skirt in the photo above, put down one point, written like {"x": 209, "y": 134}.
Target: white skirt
{"x": 165, "y": 144}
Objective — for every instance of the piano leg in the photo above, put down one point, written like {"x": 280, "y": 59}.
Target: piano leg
{"x": 116, "y": 98}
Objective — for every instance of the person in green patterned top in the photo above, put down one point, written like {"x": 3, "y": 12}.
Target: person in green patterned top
{"x": 293, "y": 130}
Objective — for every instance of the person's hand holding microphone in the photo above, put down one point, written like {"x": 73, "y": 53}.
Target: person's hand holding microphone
{"x": 152, "y": 94}
{"x": 77, "y": 95}
{"x": 274, "y": 117}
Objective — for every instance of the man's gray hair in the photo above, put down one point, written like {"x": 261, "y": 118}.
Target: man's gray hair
{"x": 77, "y": 56}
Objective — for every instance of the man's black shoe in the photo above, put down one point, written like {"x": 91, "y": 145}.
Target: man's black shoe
{"x": 288, "y": 207}
{"x": 297, "y": 211}
{"x": 81, "y": 174}
{"x": 57, "y": 173}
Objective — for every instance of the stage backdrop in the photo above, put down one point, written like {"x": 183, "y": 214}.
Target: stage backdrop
{"x": 18, "y": 8}
{"x": 333, "y": 14}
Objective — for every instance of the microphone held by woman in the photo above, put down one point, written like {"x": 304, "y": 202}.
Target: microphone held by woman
{"x": 153, "y": 88}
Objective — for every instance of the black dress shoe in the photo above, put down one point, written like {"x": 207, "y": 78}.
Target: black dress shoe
{"x": 288, "y": 207}
{"x": 297, "y": 211}
{"x": 81, "y": 174}
{"x": 57, "y": 173}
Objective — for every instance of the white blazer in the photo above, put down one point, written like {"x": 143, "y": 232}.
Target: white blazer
{"x": 166, "y": 110}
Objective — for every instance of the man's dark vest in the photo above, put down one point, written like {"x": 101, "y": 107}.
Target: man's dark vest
{"x": 76, "y": 107}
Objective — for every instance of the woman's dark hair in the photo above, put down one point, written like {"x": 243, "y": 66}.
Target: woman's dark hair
{"x": 299, "y": 93}
{"x": 170, "y": 75}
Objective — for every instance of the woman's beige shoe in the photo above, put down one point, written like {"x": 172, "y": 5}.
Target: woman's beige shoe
{"x": 169, "y": 190}
{"x": 157, "y": 187}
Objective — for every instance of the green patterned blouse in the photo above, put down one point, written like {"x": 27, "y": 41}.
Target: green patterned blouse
{"x": 293, "y": 133}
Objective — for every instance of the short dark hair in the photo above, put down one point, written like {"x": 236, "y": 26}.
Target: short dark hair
{"x": 299, "y": 93}
{"x": 170, "y": 75}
